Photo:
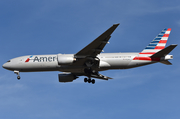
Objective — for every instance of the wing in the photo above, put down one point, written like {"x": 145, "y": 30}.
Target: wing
{"x": 87, "y": 56}
{"x": 100, "y": 76}
{"x": 96, "y": 46}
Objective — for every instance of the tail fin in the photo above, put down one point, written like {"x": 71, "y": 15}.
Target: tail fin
{"x": 156, "y": 50}
{"x": 158, "y": 43}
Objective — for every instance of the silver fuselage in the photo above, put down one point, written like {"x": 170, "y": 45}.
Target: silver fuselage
{"x": 50, "y": 63}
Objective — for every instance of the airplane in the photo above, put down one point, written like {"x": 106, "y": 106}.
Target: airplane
{"x": 90, "y": 61}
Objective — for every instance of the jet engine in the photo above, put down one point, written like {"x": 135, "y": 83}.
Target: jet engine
{"x": 66, "y": 77}
{"x": 65, "y": 59}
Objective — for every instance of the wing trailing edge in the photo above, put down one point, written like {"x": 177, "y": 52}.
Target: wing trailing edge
{"x": 100, "y": 76}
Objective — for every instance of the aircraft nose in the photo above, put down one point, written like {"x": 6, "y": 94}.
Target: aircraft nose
{"x": 4, "y": 65}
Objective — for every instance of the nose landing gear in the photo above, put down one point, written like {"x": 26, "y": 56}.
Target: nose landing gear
{"x": 17, "y": 72}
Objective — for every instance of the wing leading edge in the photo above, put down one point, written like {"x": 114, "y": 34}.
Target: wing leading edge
{"x": 96, "y": 46}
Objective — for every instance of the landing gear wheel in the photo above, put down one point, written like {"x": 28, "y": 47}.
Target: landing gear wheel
{"x": 85, "y": 80}
{"x": 93, "y": 81}
{"x": 89, "y": 80}
{"x": 18, "y": 77}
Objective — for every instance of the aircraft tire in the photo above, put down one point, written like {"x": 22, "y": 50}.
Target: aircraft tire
{"x": 93, "y": 81}
{"x": 89, "y": 80}
{"x": 18, "y": 77}
{"x": 85, "y": 80}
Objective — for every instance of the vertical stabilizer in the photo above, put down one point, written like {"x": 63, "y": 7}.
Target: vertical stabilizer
{"x": 157, "y": 44}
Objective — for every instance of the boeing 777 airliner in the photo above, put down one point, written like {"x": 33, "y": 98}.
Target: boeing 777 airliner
{"x": 89, "y": 61}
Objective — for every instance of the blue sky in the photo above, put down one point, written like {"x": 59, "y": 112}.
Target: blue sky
{"x": 58, "y": 26}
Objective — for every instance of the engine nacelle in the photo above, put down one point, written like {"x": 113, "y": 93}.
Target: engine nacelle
{"x": 65, "y": 59}
{"x": 66, "y": 77}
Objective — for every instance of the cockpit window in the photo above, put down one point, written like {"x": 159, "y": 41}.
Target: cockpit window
{"x": 9, "y": 61}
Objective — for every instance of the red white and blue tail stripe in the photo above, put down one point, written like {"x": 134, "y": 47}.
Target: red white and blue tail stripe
{"x": 158, "y": 43}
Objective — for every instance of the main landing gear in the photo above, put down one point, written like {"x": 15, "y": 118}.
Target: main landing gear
{"x": 89, "y": 80}
{"x": 89, "y": 72}
{"x": 17, "y": 72}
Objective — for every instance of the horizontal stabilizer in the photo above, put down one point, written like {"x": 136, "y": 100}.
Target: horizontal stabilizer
{"x": 164, "y": 51}
{"x": 166, "y": 62}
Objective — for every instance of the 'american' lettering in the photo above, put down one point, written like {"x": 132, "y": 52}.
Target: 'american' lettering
{"x": 44, "y": 59}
